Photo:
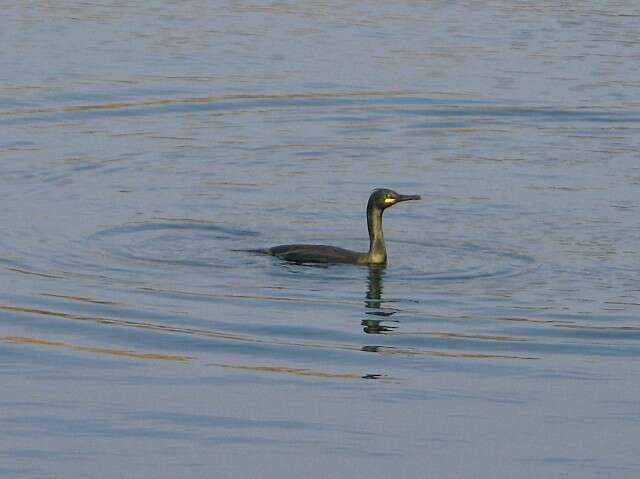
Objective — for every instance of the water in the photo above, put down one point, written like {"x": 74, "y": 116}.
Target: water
{"x": 144, "y": 148}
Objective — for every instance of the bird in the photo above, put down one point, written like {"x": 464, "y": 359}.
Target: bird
{"x": 380, "y": 200}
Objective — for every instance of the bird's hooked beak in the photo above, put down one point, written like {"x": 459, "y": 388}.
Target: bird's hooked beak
{"x": 407, "y": 198}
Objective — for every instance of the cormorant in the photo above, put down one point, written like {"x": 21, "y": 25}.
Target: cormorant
{"x": 379, "y": 200}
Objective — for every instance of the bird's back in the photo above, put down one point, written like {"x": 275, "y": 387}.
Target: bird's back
{"x": 311, "y": 253}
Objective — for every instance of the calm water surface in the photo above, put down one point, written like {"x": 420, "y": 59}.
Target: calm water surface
{"x": 144, "y": 148}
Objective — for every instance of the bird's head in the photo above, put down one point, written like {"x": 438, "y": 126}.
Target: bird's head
{"x": 383, "y": 198}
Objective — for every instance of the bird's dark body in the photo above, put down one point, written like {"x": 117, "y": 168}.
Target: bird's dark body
{"x": 311, "y": 253}
{"x": 380, "y": 200}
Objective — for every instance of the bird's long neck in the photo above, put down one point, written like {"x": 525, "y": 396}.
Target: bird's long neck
{"x": 377, "y": 250}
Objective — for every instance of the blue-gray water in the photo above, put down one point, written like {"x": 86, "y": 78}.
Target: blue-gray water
{"x": 145, "y": 145}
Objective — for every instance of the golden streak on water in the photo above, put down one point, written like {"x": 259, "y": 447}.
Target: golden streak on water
{"x": 446, "y": 334}
{"x": 203, "y": 100}
{"x": 82, "y": 299}
{"x": 23, "y": 271}
{"x": 91, "y": 349}
{"x": 385, "y": 350}
{"x": 289, "y": 370}
{"x": 598, "y": 328}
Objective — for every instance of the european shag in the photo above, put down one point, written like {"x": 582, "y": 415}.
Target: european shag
{"x": 379, "y": 200}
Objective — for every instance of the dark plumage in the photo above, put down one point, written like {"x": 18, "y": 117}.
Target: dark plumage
{"x": 379, "y": 200}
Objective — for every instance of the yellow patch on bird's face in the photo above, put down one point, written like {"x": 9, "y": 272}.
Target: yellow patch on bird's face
{"x": 388, "y": 201}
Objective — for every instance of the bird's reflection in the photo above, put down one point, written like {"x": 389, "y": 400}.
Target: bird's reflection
{"x": 373, "y": 304}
